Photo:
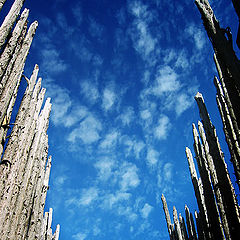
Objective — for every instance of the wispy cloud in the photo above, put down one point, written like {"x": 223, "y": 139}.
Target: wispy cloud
{"x": 80, "y": 236}
{"x": 127, "y": 116}
{"x": 110, "y": 140}
{"x": 167, "y": 171}
{"x": 51, "y": 60}
{"x": 104, "y": 168}
{"x": 166, "y": 81}
{"x": 89, "y": 91}
{"x": 146, "y": 210}
{"x": 109, "y": 98}
{"x": 95, "y": 28}
{"x": 77, "y": 13}
{"x": 143, "y": 41}
{"x": 88, "y": 196}
{"x": 162, "y": 128}
{"x": 88, "y": 131}
{"x": 152, "y": 157}
{"x": 129, "y": 176}
{"x": 197, "y": 35}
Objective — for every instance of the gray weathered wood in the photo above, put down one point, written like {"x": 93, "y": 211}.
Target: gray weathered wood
{"x": 212, "y": 212}
{"x": 16, "y": 73}
{"x": 9, "y": 21}
{"x": 231, "y": 207}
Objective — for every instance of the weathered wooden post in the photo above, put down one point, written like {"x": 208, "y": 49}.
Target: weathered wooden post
{"x": 24, "y": 173}
{"x": 224, "y": 185}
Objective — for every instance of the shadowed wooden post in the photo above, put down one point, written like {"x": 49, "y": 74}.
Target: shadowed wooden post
{"x": 231, "y": 207}
{"x": 212, "y": 213}
{"x": 183, "y": 227}
{"x": 227, "y": 59}
{"x": 177, "y": 225}
{"x": 190, "y": 225}
{"x": 231, "y": 108}
{"x": 228, "y": 127}
{"x": 197, "y": 184}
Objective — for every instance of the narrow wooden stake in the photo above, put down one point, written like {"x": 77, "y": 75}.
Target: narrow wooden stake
{"x": 214, "y": 221}
{"x": 2, "y": 3}
{"x": 167, "y": 216}
{"x": 183, "y": 227}
{"x": 9, "y": 21}
{"x": 190, "y": 225}
{"x": 176, "y": 223}
{"x": 16, "y": 73}
{"x": 231, "y": 207}
{"x": 12, "y": 43}
{"x": 198, "y": 192}
{"x": 230, "y": 134}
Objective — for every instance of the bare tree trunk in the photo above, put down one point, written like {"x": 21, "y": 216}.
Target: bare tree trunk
{"x": 16, "y": 73}
{"x": 231, "y": 207}
{"x": 198, "y": 193}
{"x": 9, "y": 21}
{"x": 167, "y": 216}
{"x": 12, "y": 43}
{"x": 230, "y": 134}
{"x": 2, "y": 3}
{"x": 39, "y": 203}
{"x": 215, "y": 182}
{"x": 190, "y": 225}
{"x": 212, "y": 212}
{"x": 183, "y": 227}
{"x": 177, "y": 225}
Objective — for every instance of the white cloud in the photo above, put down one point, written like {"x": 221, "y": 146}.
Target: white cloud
{"x": 66, "y": 29}
{"x": 113, "y": 200}
{"x": 138, "y": 146}
{"x": 61, "y": 102}
{"x": 59, "y": 181}
{"x": 82, "y": 48}
{"x": 77, "y": 13}
{"x": 183, "y": 102}
{"x": 145, "y": 211}
{"x": 51, "y": 60}
{"x": 80, "y": 236}
{"x": 129, "y": 176}
{"x": 128, "y": 212}
{"x": 89, "y": 91}
{"x": 104, "y": 168}
{"x": 127, "y": 116}
{"x": 88, "y": 131}
{"x": 110, "y": 140}
{"x": 196, "y": 33}
{"x": 95, "y": 29}
{"x": 143, "y": 41}
{"x": 109, "y": 98}
{"x": 166, "y": 81}
{"x": 88, "y": 196}
{"x": 162, "y": 128}
{"x": 152, "y": 156}
{"x": 145, "y": 114}
{"x": 75, "y": 115}
{"x": 167, "y": 171}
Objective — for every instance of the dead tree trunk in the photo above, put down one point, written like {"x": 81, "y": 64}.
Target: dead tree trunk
{"x": 24, "y": 175}
{"x": 9, "y": 21}
{"x": 214, "y": 221}
{"x": 222, "y": 45}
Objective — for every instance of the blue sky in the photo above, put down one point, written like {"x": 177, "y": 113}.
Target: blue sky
{"x": 122, "y": 76}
